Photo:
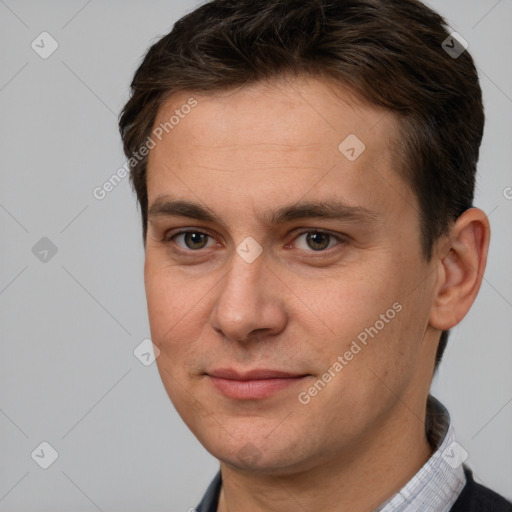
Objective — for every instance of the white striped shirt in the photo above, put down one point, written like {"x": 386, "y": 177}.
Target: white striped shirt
{"x": 437, "y": 485}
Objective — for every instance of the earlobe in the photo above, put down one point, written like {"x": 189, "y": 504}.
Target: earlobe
{"x": 461, "y": 268}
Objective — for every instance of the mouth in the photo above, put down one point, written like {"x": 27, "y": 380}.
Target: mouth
{"x": 254, "y": 384}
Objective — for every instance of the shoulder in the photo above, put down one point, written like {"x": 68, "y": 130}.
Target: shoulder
{"x": 477, "y": 498}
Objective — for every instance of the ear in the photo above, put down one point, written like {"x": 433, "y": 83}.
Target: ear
{"x": 462, "y": 259}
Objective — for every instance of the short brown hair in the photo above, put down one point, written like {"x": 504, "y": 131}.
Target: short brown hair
{"x": 390, "y": 52}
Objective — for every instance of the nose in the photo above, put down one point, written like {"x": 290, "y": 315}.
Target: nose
{"x": 250, "y": 301}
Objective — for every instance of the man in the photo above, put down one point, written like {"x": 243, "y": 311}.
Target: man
{"x": 305, "y": 171}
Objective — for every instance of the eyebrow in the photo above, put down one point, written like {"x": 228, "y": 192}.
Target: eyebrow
{"x": 327, "y": 209}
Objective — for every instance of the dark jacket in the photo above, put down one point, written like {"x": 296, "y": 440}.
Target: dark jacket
{"x": 477, "y": 498}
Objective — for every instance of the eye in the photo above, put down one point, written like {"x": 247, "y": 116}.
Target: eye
{"x": 313, "y": 240}
{"x": 316, "y": 240}
{"x": 190, "y": 240}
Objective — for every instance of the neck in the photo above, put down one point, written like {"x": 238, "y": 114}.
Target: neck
{"x": 355, "y": 480}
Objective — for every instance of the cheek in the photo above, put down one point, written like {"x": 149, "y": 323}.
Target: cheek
{"x": 167, "y": 301}
{"x": 353, "y": 301}
{"x": 376, "y": 316}
{"x": 178, "y": 311}
{"x": 161, "y": 304}
{"x": 171, "y": 330}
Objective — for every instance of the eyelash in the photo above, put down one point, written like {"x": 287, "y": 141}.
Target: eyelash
{"x": 168, "y": 239}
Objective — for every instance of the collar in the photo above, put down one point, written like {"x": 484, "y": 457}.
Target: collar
{"x": 437, "y": 485}
{"x": 434, "y": 488}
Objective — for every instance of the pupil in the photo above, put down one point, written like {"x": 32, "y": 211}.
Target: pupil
{"x": 315, "y": 240}
{"x": 196, "y": 240}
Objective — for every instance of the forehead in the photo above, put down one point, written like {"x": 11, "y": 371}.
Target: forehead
{"x": 294, "y": 112}
{"x": 302, "y": 136}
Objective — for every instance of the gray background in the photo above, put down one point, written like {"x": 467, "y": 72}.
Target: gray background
{"x": 69, "y": 324}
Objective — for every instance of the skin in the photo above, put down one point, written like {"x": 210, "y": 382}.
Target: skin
{"x": 242, "y": 154}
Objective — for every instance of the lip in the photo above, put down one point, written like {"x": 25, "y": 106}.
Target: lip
{"x": 253, "y": 384}
{"x": 256, "y": 374}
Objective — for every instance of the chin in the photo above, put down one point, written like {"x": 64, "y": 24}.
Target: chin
{"x": 254, "y": 452}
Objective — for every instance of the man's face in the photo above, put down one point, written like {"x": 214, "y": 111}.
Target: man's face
{"x": 351, "y": 289}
